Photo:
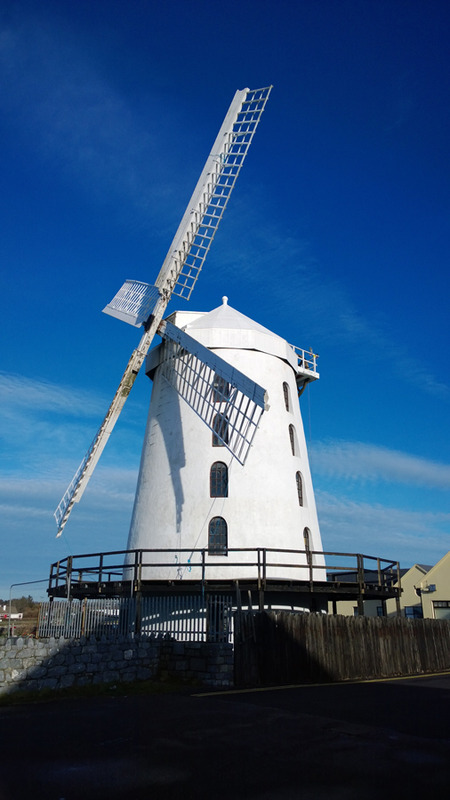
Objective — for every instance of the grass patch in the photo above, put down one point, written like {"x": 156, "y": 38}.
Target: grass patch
{"x": 19, "y": 697}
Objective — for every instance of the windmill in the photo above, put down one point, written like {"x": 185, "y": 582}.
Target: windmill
{"x": 142, "y": 304}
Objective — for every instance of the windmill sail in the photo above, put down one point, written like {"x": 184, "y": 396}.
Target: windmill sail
{"x": 209, "y": 200}
{"x": 227, "y": 401}
{"x": 181, "y": 266}
{"x": 134, "y": 303}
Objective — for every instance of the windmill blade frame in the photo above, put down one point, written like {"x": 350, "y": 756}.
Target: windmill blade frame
{"x": 229, "y": 403}
{"x": 181, "y": 266}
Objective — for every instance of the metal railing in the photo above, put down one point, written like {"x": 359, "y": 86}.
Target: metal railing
{"x": 306, "y": 358}
{"x": 132, "y": 567}
{"x": 184, "y": 618}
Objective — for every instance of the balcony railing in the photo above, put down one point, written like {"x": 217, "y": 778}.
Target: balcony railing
{"x": 136, "y": 568}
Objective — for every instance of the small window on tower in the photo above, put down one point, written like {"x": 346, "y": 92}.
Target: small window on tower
{"x": 307, "y": 543}
{"x": 307, "y": 538}
{"x": 286, "y": 396}
{"x": 221, "y": 389}
{"x": 220, "y": 431}
{"x": 217, "y": 537}
{"x": 292, "y": 440}
{"x": 218, "y": 480}
{"x": 299, "y": 488}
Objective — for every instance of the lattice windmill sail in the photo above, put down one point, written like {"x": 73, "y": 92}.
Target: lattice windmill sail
{"x": 144, "y": 304}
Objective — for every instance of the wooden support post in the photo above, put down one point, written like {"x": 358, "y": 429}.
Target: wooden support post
{"x": 69, "y": 576}
{"x": 360, "y": 605}
{"x": 360, "y": 563}
{"x": 399, "y": 585}
{"x": 261, "y": 599}
{"x": 137, "y": 618}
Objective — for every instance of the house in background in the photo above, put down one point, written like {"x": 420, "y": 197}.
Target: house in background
{"x": 425, "y": 591}
{"x": 434, "y": 590}
{"x": 425, "y": 595}
{"x": 410, "y": 601}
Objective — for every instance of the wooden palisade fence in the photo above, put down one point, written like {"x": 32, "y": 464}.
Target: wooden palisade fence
{"x": 282, "y": 647}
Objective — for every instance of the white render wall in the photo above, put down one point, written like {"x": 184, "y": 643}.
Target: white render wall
{"x": 173, "y": 506}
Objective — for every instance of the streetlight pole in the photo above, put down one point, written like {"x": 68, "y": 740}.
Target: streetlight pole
{"x": 24, "y": 583}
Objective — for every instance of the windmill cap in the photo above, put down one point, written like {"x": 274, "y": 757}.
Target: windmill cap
{"x": 225, "y": 327}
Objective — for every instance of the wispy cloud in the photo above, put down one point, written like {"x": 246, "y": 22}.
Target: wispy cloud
{"x": 361, "y": 462}
{"x": 381, "y": 531}
{"x": 45, "y": 430}
{"x": 19, "y": 391}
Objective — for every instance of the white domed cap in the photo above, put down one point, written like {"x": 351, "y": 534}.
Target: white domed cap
{"x": 224, "y": 327}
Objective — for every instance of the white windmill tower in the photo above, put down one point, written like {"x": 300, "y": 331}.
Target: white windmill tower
{"x": 216, "y": 363}
{"x": 202, "y": 488}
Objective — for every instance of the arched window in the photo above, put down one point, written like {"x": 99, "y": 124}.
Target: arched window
{"x": 299, "y": 480}
{"x": 307, "y": 538}
{"x": 218, "y": 480}
{"x": 286, "y": 395}
{"x": 220, "y": 431}
{"x": 292, "y": 439}
{"x": 307, "y": 541}
{"x": 217, "y": 537}
{"x": 221, "y": 389}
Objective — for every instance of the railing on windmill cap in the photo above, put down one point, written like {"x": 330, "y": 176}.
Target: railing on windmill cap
{"x": 307, "y": 360}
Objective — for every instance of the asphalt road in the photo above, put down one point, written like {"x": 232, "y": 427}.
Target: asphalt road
{"x": 370, "y": 741}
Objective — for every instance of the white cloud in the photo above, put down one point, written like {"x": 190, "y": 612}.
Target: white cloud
{"x": 360, "y": 462}
{"x": 377, "y": 530}
{"x": 36, "y": 396}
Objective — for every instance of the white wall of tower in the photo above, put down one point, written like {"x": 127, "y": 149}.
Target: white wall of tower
{"x": 173, "y": 506}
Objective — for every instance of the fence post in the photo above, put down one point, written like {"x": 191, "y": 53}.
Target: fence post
{"x": 137, "y": 617}
{"x": 203, "y": 567}
{"x": 83, "y": 615}
{"x": 360, "y": 563}
{"x": 397, "y": 597}
{"x": 69, "y": 576}
{"x": 135, "y": 570}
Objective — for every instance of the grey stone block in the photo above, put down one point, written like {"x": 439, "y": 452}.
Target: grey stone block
{"x": 57, "y": 671}
{"x": 129, "y": 676}
{"x": 85, "y": 658}
{"x": 48, "y": 683}
{"x": 38, "y": 672}
{"x": 197, "y": 664}
{"x": 96, "y": 658}
{"x": 110, "y": 676}
{"x": 144, "y": 674}
{"x": 82, "y": 680}
{"x": 66, "y": 681}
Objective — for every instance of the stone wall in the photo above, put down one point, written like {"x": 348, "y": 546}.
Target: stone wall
{"x": 36, "y": 664}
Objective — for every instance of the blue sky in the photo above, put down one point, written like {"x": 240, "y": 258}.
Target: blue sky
{"x": 337, "y": 237}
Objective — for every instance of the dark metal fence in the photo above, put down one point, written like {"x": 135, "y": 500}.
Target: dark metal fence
{"x": 182, "y": 618}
